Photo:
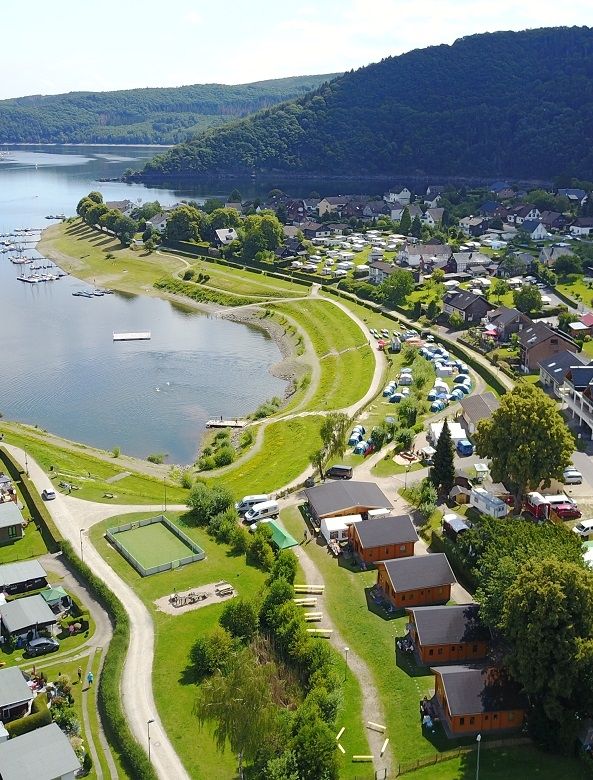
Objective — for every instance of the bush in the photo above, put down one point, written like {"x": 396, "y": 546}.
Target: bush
{"x": 186, "y": 480}
{"x": 205, "y": 502}
{"x": 225, "y": 456}
{"x": 40, "y": 716}
{"x": 240, "y": 618}
{"x": 66, "y": 719}
{"x": 156, "y": 457}
{"x": 87, "y": 763}
{"x": 206, "y": 463}
{"x": 267, "y": 408}
{"x": 240, "y": 540}
{"x": 285, "y": 567}
{"x": 211, "y": 652}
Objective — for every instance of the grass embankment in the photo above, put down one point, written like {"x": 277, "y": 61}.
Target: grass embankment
{"x": 239, "y": 282}
{"x": 283, "y": 456}
{"x": 76, "y": 464}
{"x": 401, "y": 684}
{"x": 82, "y": 251}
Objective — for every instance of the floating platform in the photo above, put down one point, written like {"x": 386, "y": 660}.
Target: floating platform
{"x": 140, "y": 336}
{"x": 220, "y": 423}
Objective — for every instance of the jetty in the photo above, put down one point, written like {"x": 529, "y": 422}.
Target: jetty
{"x": 139, "y": 336}
{"x": 218, "y": 422}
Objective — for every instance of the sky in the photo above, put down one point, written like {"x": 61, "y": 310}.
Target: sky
{"x": 71, "y": 45}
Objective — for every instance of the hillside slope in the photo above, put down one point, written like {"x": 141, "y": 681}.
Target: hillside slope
{"x": 518, "y": 104}
{"x": 163, "y": 115}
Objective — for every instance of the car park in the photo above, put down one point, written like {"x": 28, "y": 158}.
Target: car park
{"x": 42, "y": 646}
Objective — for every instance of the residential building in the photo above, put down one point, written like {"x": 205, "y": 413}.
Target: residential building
{"x": 583, "y": 226}
{"x": 447, "y": 634}
{"x": 475, "y": 408}
{"x": 158, "y": 222}
{"x": 517, "y": 215}
{"x": 416, "y": 581}
{"x": 473, "y": 226}
{"x": 15, "y": 694}
{"x": 383, "y": 538}
{"x": 125, "y": 206}
{"x": 459, "y": 262}
{"x": 315, "y": 230}
{"x": 554, "y": 220}
{"x": 549, "y": 254}
{"x": 22, "y": 576}
{"x": 397, "y": 209}
{"x": 491, "y": 209}
{"x": 502, "y": 190}
{"x": 402, "y": 196}
{"x": 41, "y": 754}
{"x": 7, "y": 489}
{"x": 534, "y": 229}
{"x": 504, "y": 321}
{"x": 379, "y": 270}
{"x": 11, "y": 522}
{"x": 338, "y": 498}
{"x": 235, "y": 204}
{"x": 474, "y": 700}
{"x": 26, "y": 616}
{"x": 574, "y": 194}
{"x": 332, "y": 204}
{"x": 375, "y": 208}
{"x": 432, "y": 217}
{"x": 226, "y": 236}
{"x": 471, "y": 307}
{"x": 487, "y": 503}
{"x": 579, "y": 396}
{"x": 553, "y": 370}
{"x": 538, "y": 342}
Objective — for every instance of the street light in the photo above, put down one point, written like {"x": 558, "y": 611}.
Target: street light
{"x": 148, "y": 722}
{"x": 26, "y": 464}
{"x": 165, "y": 488}
{"x": 408, "y": 467}
{"x": 346, "y": 649}
{"x": 478, "y": 740}
{"x": 81, "y": 553}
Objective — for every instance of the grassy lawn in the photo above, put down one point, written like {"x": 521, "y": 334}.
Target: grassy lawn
{"x": 233, "y": 280}
{"x": 83, "y": 251}
{"x": 283, "y": 456}
{"x": 30, "y": 546}
{"x": 388, "y": 468}
{"x": 344, "y": 379}
{"x": 577, "y": 289}
{"x": 75, "y": 463}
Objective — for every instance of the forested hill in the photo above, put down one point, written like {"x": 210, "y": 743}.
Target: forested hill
{"x": 132, "y": 116}
{"x": 507, "y": 103}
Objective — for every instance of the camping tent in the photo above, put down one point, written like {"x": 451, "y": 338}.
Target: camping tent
{"x": 280, "y": 538}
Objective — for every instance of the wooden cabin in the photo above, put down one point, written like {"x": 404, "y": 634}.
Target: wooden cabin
{"x": 383, "y": 538}
{"x": 415, "y": 582}
{"x": 448, "y": 634}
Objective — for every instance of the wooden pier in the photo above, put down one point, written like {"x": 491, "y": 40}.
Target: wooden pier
{"x": 140, "y": 336}
{"x": 218, "y": 422}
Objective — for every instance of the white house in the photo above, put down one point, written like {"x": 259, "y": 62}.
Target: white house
{"x": 403, "y": 196}
{"x": 44, "y": 754}
{"x": 224, "y": 236}
{"x": 158, "y": 222}
{"x": 125, "y": 206}
{"x": 379, "y": 270}
{"x": 432, "y": 217}
{"x": 397, "y": 209}
{"x": 520, "y": 214}
{"x": 534, "y": 229}
{"x": 583, "y": 226}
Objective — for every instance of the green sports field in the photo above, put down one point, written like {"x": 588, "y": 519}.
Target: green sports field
{"x": 153, "y": 545}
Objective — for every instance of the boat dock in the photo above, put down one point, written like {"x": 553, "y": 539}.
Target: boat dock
{"x": 218, "y": 422}
{"x": 140, "y": 336}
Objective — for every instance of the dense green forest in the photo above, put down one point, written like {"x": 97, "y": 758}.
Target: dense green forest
{"x": 506, "y": 103}
{"x": 133, "y": 116}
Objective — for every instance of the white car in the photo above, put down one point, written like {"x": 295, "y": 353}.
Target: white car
{"x": 584, "y": 528}
{"x": 48, "y": 494}
{"x": 572, "y": 476}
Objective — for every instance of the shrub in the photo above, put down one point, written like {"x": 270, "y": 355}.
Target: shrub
{"x": 211, "y": 652}
{"x": 240, "y": 540}
{"x": 285, "y": 567}
{"x": 40, "y": 716}
{"x": 224, "y": 456}
{"x": 66, "y": 719}
{"x": 206, "y": 463}
{"x": 205, "y": 502}
{"x": 87, "y": 763}
{"x": 156, "y": 457}
{"x": 280, "y": 592}
{"x": 240, "y": 618}
{"x": 186, "y": 479}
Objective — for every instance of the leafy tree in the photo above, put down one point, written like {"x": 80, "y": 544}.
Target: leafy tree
{"x": 235, "y": 196}
{"x": 125, "y": 229}
{"x": 205, "y": 502}
{"x": 564, "y": 320}
{"x": 146, "y": 211}
{"x": 568, "y": 264}
{"x": 437, "y": 276}
{"x": 433, "y": 309}
{"x": 285, "y": 567}
{"x": 528, "y": 299}
{"x": 240, "y": 706}
{"x": 211, "y": 652}
{"x": 84, "y": 204}
{"x": 260, "y": 550}
{"x": 499, "y": 288}
{"x": 526, "y": 439}
{"x": 405, "y": 222}
{"x": 94, "y": 214}
{"x": 396, "y": 288}
{"x": 95, "y": 196}
{"x": 212, "y": 204}
{"x": 315, "y": 750}
{"x": 284, "y": 767}
{"x": 184, "y": 224}
{"x": 456, "y": 320}
{"x": 317, "y": 460}
{"x": 442, "y": 473}
{"x": 279, "y": 592}
{"x": 416, "y": 227}
{"x": 548, "y": 620}
{"x": 240, "y": 618}
{"x": 333, "y": 432}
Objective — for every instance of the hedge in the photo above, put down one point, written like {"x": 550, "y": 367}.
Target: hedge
{"x": 198, "y": 293}
{"x": 563, "y": 297}
{"x": 112, "y": 715}
{"x": 33, "y": 501}
{"x": 40, "y": 716}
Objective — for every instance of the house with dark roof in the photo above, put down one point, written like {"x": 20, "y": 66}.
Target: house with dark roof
{"x": 582, "y": 226}
{"x": 517, "y": 215}
{"x": 473, "y": 226}
{"x": 332, "y": 204}
{"x": 42, "y": 754}
{"x": 448, "y": 634}
{"x": 22, "y": 576}
{"x": 379, "y": 270}
{"x": 339, "y": 498}
{"x": 549, "y": 254}
{"x": 470, "y": 306}
{"x": 553, "y": 370}
{"x": 315, "y": 230}
{"x": 383, "y": 538}
{"x": 125, "y": 206}
{"x": 475, "y": 408}
{"x": 506, "y": 321}
{"x": 417, "y": 581}
{"x": 460, "y": 262}
{"x": 475, "y": 700}
{"x": 574, "y": 194}
{"x": 539, "y": 342}
{"x": 432, "y": 216}
{"x": 534, "y": 229}
{"x": 554, "y": 220}
{"x": 579, "y": 398}
{"x": 15, "y": 694}
{"x": 158, "y": 222}
{"x": 26, "y": 616}
{"x": 11, "y": 522}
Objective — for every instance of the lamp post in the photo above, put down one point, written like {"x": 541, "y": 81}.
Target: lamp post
{"x": 478, "y": 740}
{"x": 346, "y": 649}
{"x": 148, "y": 722}
{"x": 26, "y": 464}
{"x": 81, "y": 553}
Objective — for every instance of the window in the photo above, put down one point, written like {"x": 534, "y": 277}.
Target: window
{"x": 472, "y": 721}
{"x": 403, "y": 596}
{"x": 431, "y": 651}
{"x": 387, "y": 551}
{"x": 511, "y": 716}
{"x": 12, "y": 532}
{"x": 440, "y": 651}
{"x": 461, "y": 721}
{"x": 453, "y": 649}
{"x": 486, "y": 717}
{"x": 495, "y": 717}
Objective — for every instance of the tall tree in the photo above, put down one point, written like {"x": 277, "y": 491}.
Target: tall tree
{"x": 396, "y": 288}
{"x": 442, "y": 473}
{"x": 333, "y": 434}
{"x": 528, "y": 299}
{"x": 416, "y": 227}
{"x": 405, "y": 222}
{"x": 526, "y": 439}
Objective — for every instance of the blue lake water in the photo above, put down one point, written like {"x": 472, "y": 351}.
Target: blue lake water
{"x": 60, "y": 368}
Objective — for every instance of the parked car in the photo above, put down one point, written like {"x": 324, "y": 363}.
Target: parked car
{"x": 584, "y": 528}
{"x": 48, "y": 494}
{"x": 572, "y": 476}
{"x": 42, "y": 645}
{"x": 339, "y": 472}
{"x": 465, "y": 447}
{"x": 259, "y": 512}
{"x": 567, "y": 511}
{"x": 249, "y": 501}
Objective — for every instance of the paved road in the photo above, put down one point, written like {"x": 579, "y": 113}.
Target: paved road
{"x": 71, "y": 516}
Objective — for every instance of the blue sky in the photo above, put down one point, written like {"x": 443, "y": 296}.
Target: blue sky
{"x": 116, "y": 44}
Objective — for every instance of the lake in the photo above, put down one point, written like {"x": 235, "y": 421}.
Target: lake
{"x": 61, "y": 369}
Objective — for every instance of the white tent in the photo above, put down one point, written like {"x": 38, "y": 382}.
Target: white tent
{"x": 457, "y": 432}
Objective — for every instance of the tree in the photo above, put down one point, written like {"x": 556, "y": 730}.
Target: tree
{"x": 547, "y": 615}
{"x": 499, "y": 288}
{"x": 405, "y": 222}
{"x": 285, "y": 567}
{"x": 526, "y": 439}
{"x": 416, "y": 227}
{"x": 433, "y": 309}
{"x": 240, "y": 705}
{"x": 456, "y": 320}
{"x": 564, "y": 320}
{"x": 211, "y": 204}
{"x": 315, "y": 750}
{"x": 235, "y": 196}
{"x": 568, "y": 264}
{"x": 95, "y": 196}
{"x": 317, "y": 460}
{"x": 184, "y": 224}
{"x": 125, "y": 229}
{"x": 211, "y": 652}
{"x": 333, "y": 434}
{"x": 437, "y": 276}
{"x": 205, "y": 502}
{"x": 240, "y": 618}
{"x": 396, "y": 288}
{"x": 442, "y": 473}
{"x": 528, "y": 299}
